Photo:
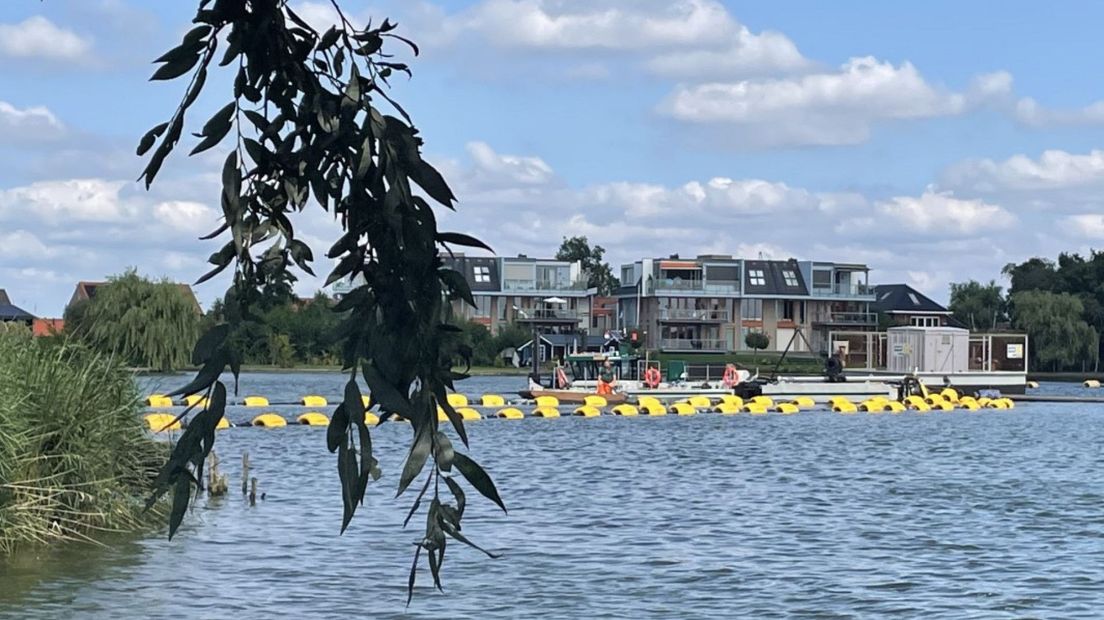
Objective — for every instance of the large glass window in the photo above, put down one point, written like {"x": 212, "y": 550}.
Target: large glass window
{"x": 790, "y": 277}
{"x": 822, "y": 279}
{"x": 751, "y": 309}
{"x": 482, "y": 306}
{"x": 756, "y": 277}
{"x": 482, "y": 274}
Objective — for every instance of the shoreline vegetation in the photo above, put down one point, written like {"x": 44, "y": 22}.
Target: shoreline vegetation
{"x": 76, "y": 463}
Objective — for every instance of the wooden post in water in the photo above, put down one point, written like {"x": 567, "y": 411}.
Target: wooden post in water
{"x": 253, "y": 491}
{"x": 245, "y": 473}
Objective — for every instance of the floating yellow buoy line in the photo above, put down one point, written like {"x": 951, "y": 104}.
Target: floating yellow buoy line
{"x": 313, "y": 401}
{"x": 255, "y": 401}
{"x": 158, "y": 401}
{"x": 313, "y": 418}
{"x": 269, "y": 420}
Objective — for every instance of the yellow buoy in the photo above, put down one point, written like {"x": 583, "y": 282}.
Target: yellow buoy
{"x": 158, "y": 422}
{"x": 195, "y": 400}
{"x": 872, "y": 406}
{"x": 917, "y": 403}
{"x": 894, "y": 406}
{"x": 441, "y": 415}
{"x": 682, "y": 408}
{"x": 313, "y": 418}
{"x": 513, "y": 413}
{"x": 626, "y": 410}
{"x": 370, "y": 418}
{"x": 732, "y": 400}
{"x": 727, "y": 408}
{"x": 983, "y": 402}
{"x": 159, "y": 401}
{"x": 256, "y": 401}
{"x": 786, "y": 408}
{"x": 493, "y": 400}
{"x": 844, "y": 406}
{"x": 468, "y": 414}
{"x": 269, "y": 420}
{"x": 943, "y": 406}
{"x": 457, "y": 400}
{"x": 644, "y": 401}
{"x": 766, "y": 401}
{"x": 1034, "y": 385}
{"x": 593, "y": 400}
{"x": 838, "y": 399}
{"x": 969, "y": 405}
{"x": 1009, "y": 403}
{"x": 700, "y": 402}
{"x": 950, "y": 395}
{"x": 222, "y": 423}
{"x": 653, "y": 409}
{"x": 587, "y": 411}
{"x": 539, "y": 412}
{"x": 755, "y": 409}
{"x": 366, "y": 400}
{"x": 1091, "y": 383}
{"x": 548, "y": 401}
{"x": 804, "y": 402}
{"x": 313, "y": 401}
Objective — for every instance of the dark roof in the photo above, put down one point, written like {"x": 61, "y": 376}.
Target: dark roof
{"x": 903, "y": 299}
{"x": 4, "y": 300}
{"x": 9, "y": 312}
{"x": 489, "y": 278}
{"x": 774, "y": 278}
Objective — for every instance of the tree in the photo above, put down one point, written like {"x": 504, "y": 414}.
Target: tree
{"x": 148, "y": 324}
{"x": 599, "y": 274}
{"x": 757, "y": 340}
{"x": 305, "y": 128}
{"x": 1059, "y": 338}
{"x": 980, "y": 306}
{"x": 1035, "y": 274}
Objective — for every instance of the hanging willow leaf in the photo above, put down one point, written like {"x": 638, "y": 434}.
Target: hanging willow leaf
{"x": 478, "y": 478}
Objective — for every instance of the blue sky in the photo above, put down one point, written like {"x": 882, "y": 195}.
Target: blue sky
{"x": 934, "y": 141}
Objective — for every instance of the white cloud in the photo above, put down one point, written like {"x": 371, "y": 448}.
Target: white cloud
{"x": 1054, "y": 169}
{"x": 28, "y": 124}
{"x": 495, "y": 170}
{"x": 942, "y": 213}
{"x": 38, "y": 38}
{"x": 826, "y": 108}
{"x": 746, "y": 54}
{"x": 1086, "y": 225}
{"x": 66, "y": 202}
{"x": 1030, "y": 112}
{"x": 186, "y": 217}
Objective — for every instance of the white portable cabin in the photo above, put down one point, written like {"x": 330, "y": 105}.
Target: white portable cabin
{"x": 928, "y": 349}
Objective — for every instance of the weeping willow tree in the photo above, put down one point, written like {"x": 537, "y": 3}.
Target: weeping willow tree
{"x": 145, "y": 323}
{"x": 310, "y": 123}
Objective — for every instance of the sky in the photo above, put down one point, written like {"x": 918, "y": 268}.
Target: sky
{"x": 935, "y": 142}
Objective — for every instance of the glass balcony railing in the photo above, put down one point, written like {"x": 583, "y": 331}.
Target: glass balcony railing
{"x": 515, "y": 286}
{"x": 684, "y": 314}
{"x": 846, "y": 318}
{"x": 547, "y": 314}
{"x": 844, "y": 290}
{"x": 692, "y": 344}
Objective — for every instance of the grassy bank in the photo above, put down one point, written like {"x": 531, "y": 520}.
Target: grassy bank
{"x": 75, "y": 462}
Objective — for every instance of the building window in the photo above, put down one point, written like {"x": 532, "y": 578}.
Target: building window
{"x": 756, "y": 277}
{"x": 482, "y": 274}
{"x": 790, "y": 277}
{"x": 822, "y": 279}
{"x": 924, "y": 321}
{"x": 785, "y": 309}
{"x": 482, "y": 306}
{"x": 751, "y": 309}
{"x": 501, "y": 308}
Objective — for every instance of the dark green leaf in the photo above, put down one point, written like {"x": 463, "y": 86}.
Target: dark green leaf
{"x": 337, "y": 433}
{"x": 462, "y": 239}
{"x": 413, "y": 574}
{"x": 181, "y": 497}
{"x": 329, "y": 38}
{"x": 478, "y": 478}
{"x": 455, "y": 533}
{"x": 205, "y": 377}
{"x": 209, "y": 342}
{"x": 151, "y": 136}
{"x": 176, "y": 68}
{"x": 415, "y": 461}
{"x": 444, "y": 452}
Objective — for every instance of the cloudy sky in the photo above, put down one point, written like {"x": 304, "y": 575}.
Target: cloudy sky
{"x": 935, "y": 142}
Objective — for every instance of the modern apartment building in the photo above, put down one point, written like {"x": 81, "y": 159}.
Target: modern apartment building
{"x": 523, "y": 290}
{"x": 710, "y": 303}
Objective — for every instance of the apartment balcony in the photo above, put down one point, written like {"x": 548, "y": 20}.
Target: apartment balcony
{"x": 548, "y": 317}
{"x": 693, "y": 345}
{"x": 851, "y": 291}
{"x": 705, "y": 287}
{"x": 683, "y": 315}
{"x": 544, "y": 286}
{"x": 866, "y": 319}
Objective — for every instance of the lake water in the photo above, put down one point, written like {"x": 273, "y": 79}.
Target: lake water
{"x": 817, "y": 515}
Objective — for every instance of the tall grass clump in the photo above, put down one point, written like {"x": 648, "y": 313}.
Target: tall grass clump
{"x": 75, "y": 460}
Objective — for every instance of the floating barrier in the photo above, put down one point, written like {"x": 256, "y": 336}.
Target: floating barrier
{"x": 223, "y": 423}
{"x": 255, "y": 401}
{"x": 917, "y": 403}
{"x": 625, "y": 410}
{"x": 787, "y": 408}
{"x": 844, "y": 406}
{"x": 1091, "y": 383}
{"x": 732, "y": 400}
{"x": 804, "y": 402}
{"x": 195, "y": 400}
{"x": 683, "y": 408}
{"x": 366, "y": 400}
{"x": 512, "y": 413}
{"x": 468, "y": 414}
{"x": 457, "y": 400}
{"x": 158, "y": 401}
{"x": 727, "y": 408}
{"x": 370, "y": 418}
{"x": 539, "y": 412}
{"x": 942, "y": 405}
{"x": 313, "y": 401}
{"x": 162, "y": 422}
{"x": 755, "y": 408}
{"x": 766, "y": 401}
{"x": 653, "y": 409}
{"x": 269, "y": 420}
{"x": 872, "y": 406}
{"x": 894, "y": 406}
{"x": 1034, "y": 385}
{"x": 644, "y": 401}
{"x": 593, "y": 400}
{"x": 587, "y": 411}
{"x": 969, "y": 405}
{"x": 548, "y": 401}
{"x": 700, "y": 402}
{"x": 493, "y": 400}
{"x": 950, "y": 395}
{"x": 313, "y": 418}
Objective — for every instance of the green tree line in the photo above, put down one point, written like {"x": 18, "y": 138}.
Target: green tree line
{"x": 1059, "y": 304}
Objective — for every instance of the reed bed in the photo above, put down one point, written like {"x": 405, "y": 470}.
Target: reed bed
{"x": 75, "y": 460}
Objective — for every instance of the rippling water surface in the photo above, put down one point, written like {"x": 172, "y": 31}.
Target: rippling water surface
{"x": 818, "y": 515}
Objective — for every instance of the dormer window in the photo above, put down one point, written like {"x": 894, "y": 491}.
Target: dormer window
{"x": 482, "y": 274}
{"x": 790, "y": 277}
{"x": 756, "y": 277}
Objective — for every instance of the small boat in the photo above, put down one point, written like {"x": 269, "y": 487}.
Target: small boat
{"x": 573, "y": 397}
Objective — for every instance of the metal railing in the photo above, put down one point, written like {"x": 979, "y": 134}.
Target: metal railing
{"x": 687, "y": 314}
{"x": 703, "y": 286}
{"x": 692, "y": 344}
{"x": 846, "y": 318}
{"x": 567, "y": 315}
{"x": 542, "y": 285}
{"x": 841, "y": 290}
